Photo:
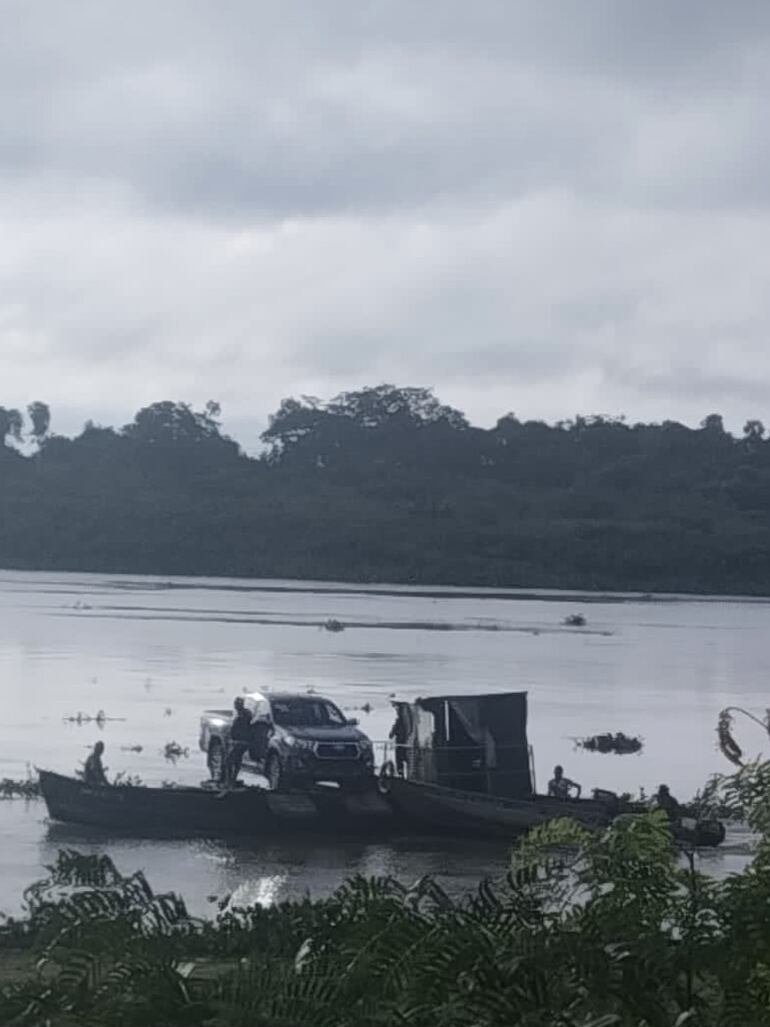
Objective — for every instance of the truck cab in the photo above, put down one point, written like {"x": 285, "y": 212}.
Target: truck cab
{"x": 297, "y": 740}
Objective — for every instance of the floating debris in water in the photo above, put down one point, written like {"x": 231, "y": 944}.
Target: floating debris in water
{"x": 132, "y": 748}
{"x": 618, "y": 743}
{"x": 100, "y": 719}
{"x": 575, "y": 620}
{"x": 168, "y": 712}
{"x": 334, "y": 625}
{"x": 29, "y": 788}
{"x": 366, "y": 708}
{"x": 173, "y": 751}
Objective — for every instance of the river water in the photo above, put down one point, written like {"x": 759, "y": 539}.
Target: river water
{"x": 153, "y": 653}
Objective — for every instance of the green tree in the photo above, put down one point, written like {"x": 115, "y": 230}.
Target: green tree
{"x": 590, "y": 929}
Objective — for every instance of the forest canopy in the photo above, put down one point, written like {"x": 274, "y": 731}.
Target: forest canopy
{"x": 390, "y": 484}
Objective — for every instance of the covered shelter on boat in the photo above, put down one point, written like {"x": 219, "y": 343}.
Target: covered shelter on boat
{"x": 476, "y": 743}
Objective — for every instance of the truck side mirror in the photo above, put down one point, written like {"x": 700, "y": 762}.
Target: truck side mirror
{"x": 353, "y": 722}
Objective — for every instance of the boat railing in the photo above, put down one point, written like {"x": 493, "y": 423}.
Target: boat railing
{"x": 469, "y": 763}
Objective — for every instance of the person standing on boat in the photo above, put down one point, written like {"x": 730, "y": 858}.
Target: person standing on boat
{"x": 560, "y": 787}
{"x": 93, "y": 772}
{"x": 399, "y": 735}
{"x": 665, "y": 800}
{"x": 240, "y": 739}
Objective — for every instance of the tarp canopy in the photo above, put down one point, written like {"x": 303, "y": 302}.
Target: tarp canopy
{"x": 474, "y": 742}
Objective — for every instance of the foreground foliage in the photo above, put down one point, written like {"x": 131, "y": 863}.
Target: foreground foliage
{"x": 589, "y": 930}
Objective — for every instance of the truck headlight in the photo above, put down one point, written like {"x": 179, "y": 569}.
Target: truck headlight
{"x": 299, "y": 744}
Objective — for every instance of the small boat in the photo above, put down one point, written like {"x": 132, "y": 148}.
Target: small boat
{"x": 454, "y": 811}
{"x": 699, "y": 834}
{"x": 208, "y": 811}
{"x": 464, "y": 766}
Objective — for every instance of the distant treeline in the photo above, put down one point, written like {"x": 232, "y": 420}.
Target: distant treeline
{"x": 388, "y": 484}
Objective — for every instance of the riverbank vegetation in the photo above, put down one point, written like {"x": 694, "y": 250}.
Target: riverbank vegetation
{"x": 388, "y": 484}
{"x": 589, "y": 930}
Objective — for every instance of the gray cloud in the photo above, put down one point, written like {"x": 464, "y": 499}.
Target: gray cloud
{"x": 535, "y": 205}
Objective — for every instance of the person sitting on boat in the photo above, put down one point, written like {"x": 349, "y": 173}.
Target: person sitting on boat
{"x": 665, "y": 800}
{"x": 241, "y": 737}
{"x": 93, "y": 772}
{"x": 560, "y": 787}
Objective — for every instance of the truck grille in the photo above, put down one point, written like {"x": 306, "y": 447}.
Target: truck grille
{"x": 336, "y": 750}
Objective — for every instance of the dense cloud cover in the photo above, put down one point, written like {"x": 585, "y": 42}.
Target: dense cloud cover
{"x": 542, "y": 206}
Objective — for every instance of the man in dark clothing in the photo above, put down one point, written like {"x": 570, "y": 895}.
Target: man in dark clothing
{"x": 240, "y": 739}
{"x": 260, "y": 735}
{"x": 94, "y": 771}
{"x": 560, "y": 787}
{"x": 665, "y": 800}
{"x": 399, "y": 734}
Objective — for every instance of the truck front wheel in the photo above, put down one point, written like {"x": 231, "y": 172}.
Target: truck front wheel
{"x": 274, "y": 771}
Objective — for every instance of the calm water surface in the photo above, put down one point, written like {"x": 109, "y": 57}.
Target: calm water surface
{"x": 153, "y": 653}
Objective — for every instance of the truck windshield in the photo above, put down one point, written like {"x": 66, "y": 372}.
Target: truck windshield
{"x": 306, "y": 713}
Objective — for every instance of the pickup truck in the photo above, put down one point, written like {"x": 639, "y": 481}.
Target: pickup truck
{"x": 298, "y": 740}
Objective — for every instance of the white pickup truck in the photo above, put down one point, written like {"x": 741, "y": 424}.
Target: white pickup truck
{"x": 298, "y": 740}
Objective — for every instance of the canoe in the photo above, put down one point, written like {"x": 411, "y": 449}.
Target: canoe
{"x": 454, "y": 811}
{"x": 185, "y": 811}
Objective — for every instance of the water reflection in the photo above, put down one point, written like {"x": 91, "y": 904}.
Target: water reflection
{"x": 168, "y": 649}
{"x": 273, "y": 871}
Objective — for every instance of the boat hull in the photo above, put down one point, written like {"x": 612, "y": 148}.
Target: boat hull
{"x": 470, "y": 814}
{"x": 458, "y": 812}
{"x": 408, "y": 809}
{"x": 249, "y": 812}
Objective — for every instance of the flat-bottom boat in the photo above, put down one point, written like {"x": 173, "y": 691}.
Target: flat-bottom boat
{"x": 409, "y": 808}
{"x": 248, "y": 811}
{"x": 454, "y": 811}
{"x": 466, "y": 767}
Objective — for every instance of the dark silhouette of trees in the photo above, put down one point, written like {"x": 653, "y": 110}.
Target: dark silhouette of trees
{"x": 389, "y": 484}
{"x": 40, "y": 418}
{"x": 168, "y": 424}
{"x": 11, "y": 423}
{"x": 753, "y": 431}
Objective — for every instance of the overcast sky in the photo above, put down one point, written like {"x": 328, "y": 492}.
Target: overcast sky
{"x": 535, "y": 206}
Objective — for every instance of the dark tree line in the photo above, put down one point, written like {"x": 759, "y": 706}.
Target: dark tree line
{"x": 389, "y": 484}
